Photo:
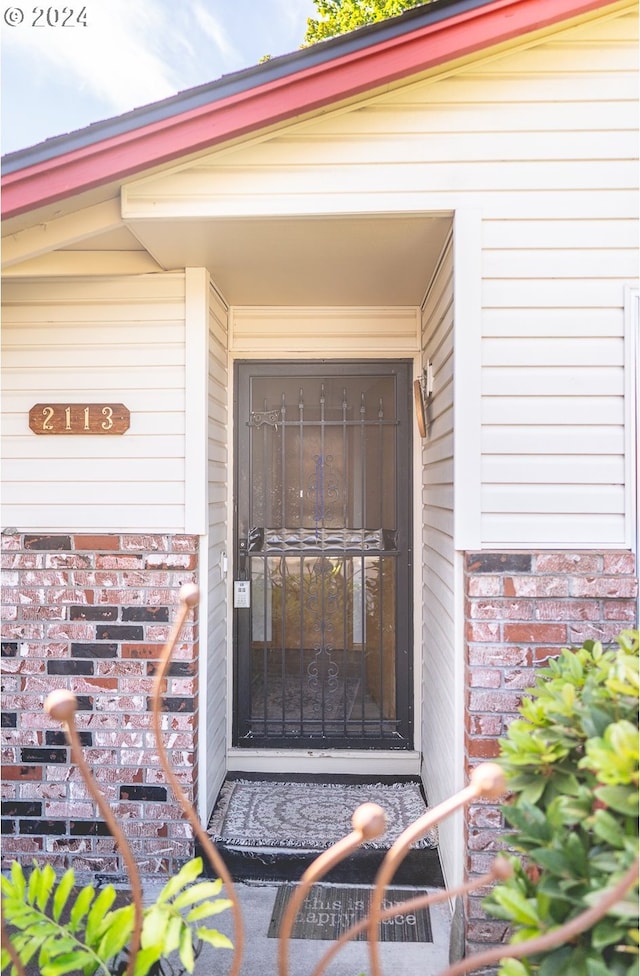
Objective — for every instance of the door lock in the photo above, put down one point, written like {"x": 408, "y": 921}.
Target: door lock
{"x": 241, "y": 594}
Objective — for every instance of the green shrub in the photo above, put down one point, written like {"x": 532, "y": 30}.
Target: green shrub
{"x": 571, "y": 763}
{"x": 68, "y": 931}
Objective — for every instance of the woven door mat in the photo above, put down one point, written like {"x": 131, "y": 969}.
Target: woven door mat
{"x": 289, "y": 815}
{"x": 330, "y": 910}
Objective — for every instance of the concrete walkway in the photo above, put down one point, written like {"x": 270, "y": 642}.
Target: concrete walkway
{"x": 261, "y": 952}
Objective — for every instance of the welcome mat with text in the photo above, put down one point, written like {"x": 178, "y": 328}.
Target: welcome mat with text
{"x": 330, "y": 910}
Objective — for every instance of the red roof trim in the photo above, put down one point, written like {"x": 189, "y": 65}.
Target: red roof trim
{"x": 132, "y": 152}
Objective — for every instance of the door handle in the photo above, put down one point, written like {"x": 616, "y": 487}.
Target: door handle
{"x": 241, "y": 585}
{"x": 243, "y": 548}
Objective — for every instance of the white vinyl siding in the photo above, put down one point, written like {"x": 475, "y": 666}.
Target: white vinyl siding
{"x": 553, "y": 408}
{"x": 439, "y": 680}
{"x": 541, "y": 140}
{"x": 327, "y": 332}
{"x": 111, "y": 340}
{"x": 217, "y": 604}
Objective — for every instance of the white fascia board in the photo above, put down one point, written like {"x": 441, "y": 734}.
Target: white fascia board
{"x": 61, "y": 232}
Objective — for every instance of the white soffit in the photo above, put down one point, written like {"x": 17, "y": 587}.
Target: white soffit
{"x": 351, "y": 260}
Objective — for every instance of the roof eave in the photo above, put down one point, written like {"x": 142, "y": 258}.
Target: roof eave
{"x": 308, "y": 89}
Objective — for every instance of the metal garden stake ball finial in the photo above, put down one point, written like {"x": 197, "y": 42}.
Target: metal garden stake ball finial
{"x": 489, "y": 780}
{"x": 369, "y": 820}
{"x": 61, "y": 705}
{"x": 501, "y": 869}
{"x": 189, "y": 594}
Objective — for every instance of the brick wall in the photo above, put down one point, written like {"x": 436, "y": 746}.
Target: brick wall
{"x": 521, "y": 609}
{"x": 90, "y": 613}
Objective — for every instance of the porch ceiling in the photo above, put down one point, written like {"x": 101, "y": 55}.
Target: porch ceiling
{"x": 351, "y": 260}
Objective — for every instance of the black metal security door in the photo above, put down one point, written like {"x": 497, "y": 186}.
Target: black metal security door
{"x": 322, "y": 571}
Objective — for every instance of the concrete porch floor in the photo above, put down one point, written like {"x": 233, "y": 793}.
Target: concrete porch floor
{"x": 260, "y": 956}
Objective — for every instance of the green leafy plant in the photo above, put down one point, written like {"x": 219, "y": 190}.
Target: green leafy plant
{"x": 69, "y": 931}
{"x": 340, "y": 16}
{"x": 171, "y": 923}
{"x": 571, "y": 764}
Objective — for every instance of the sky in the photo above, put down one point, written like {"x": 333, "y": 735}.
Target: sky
{"x": 69, "y": 64}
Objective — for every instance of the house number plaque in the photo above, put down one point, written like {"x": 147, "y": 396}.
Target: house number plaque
{"x": 79, "y": 418}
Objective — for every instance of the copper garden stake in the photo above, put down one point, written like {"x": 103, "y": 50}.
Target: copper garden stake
{"x": 7, "y": 944}
{"x": 368, "y": 822}
{"x": 189, "y": 596}
{"x": 486, "y": 780}
{"x": 61, "y": 706}
{"x": 500, "y": 870}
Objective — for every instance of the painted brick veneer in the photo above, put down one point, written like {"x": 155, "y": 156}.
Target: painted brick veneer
{"x": 91, "y": 613}
{"x": 520, "y": 610}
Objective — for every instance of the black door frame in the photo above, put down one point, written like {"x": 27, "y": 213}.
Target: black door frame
{"x": 402, "y": 369}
